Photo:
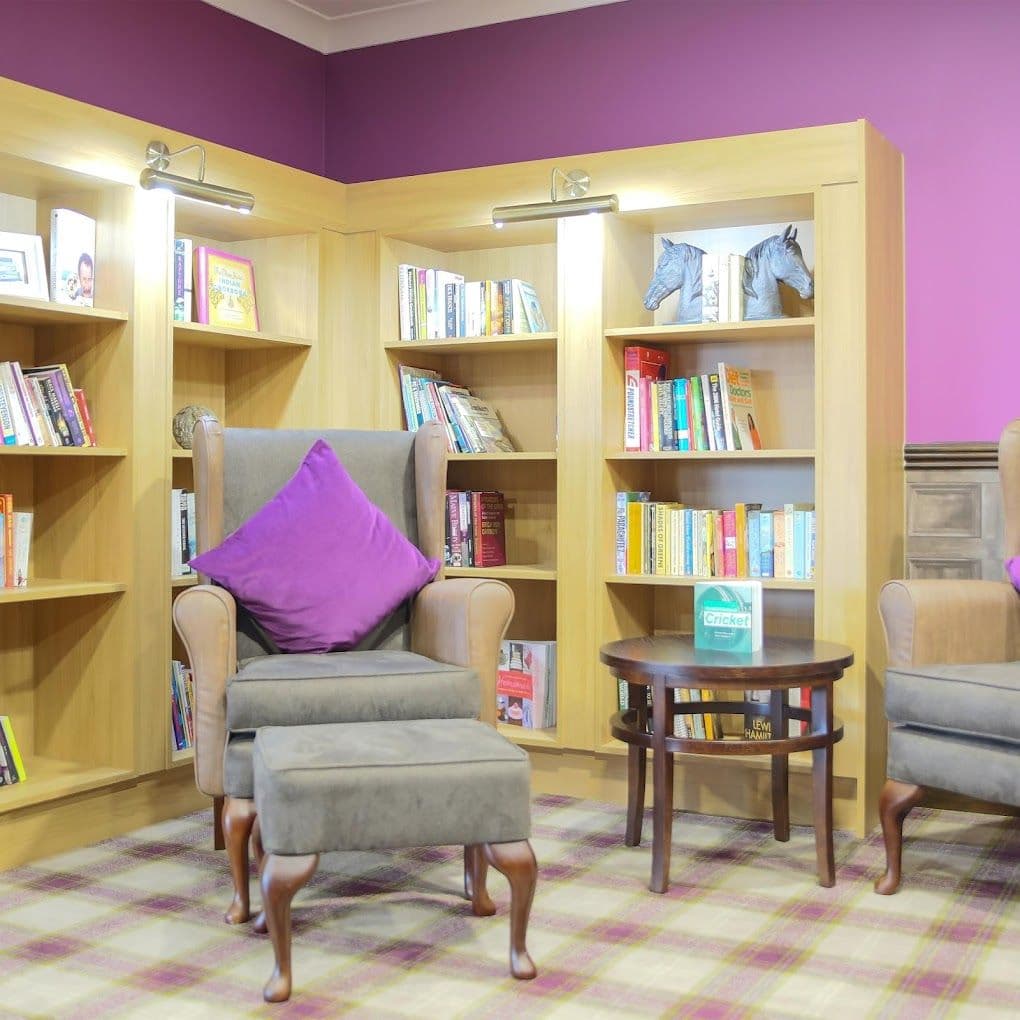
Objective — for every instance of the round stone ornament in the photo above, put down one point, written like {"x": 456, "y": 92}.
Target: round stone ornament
{"x": 184, "y": 423}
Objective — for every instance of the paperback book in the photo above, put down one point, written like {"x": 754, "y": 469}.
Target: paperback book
{"x": 72, "y": 257}
{"x": 728, "y": 616}
{"x": 526, "y": 684}
{"x": 225, "y": 289}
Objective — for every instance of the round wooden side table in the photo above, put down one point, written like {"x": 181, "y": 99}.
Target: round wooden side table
{"x": 666, "y": 663}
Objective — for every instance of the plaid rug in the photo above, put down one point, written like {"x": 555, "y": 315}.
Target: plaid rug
{"x": 132, "y": 928}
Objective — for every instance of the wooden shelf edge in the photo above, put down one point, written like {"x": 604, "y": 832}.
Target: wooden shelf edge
{"x": 35, "y": 311}
{"x": 529, "y": 738}
{"x": 199, "y": 334}
{"x": 477, "y": 344}
{"x": 515, "y": 572}
{"x": 788, "y": 583}
{"x": 40, "y": 588}
{"x": 184, "y": 757}
{"x": 184, "y": 581}
{"x": 52, "y": 779}
{"x": 750, "y": 455}
{"x": 802, "y": 328}
{"x": 520, "y": 455}
{"x": 63, "y": 451}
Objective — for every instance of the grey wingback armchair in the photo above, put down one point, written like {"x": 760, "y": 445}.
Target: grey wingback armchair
{"x": 953, "y": 683}
{"x": 435, "y": 657}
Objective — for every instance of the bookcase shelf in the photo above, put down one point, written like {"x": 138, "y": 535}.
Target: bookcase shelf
{"x": 76, "y": 452}
{"x": 518, "y": 455}
{"x": 221, "y": 338}
{"x": 52, "y": 779}
{"x": 799, "y": 328}
{"x": 694, "y": 455}
{"x": 530, "y": 738}
{"x": 668, "y": 581}
{"x": 520, "y": 572}
{"x": 33, "y": 312}
{"x": 185, "y": 757}
{"x": 479, "y": 345}
{"x": 40, "y": 588}
{"x": 184, "y": 582}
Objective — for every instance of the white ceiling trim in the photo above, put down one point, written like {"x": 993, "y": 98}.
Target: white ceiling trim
{"x": 388, "y": 22}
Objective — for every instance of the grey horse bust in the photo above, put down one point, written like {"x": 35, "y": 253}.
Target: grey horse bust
{"x": 678, "y": 268}
{"x": 775, "y": 260}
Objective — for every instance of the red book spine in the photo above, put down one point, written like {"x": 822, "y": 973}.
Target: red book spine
{"x": 488, "y": 515}
{"x": 83, "y": 410}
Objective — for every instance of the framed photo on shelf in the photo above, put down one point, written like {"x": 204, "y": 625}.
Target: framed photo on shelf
{"x": 23, "y": 266}
{"x": 225, "y": 289}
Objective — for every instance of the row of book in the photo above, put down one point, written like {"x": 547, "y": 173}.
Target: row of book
{"x": 709, "y": 725}
{"x": 471, "y": 424}
{"x": 435, "y": 304}
{"x": 40, "y": 407}
{"x": 526, "y": 684}
{"x": 213, "y": 287}
{"x": 12, "y": 765}
{"x": 183, "y": 532}
{"x": 182, "y": 707}
{"x": 710, "y": 411}
{"x": 475, "y": 528}
{"x": 674, "y": 540}
{"x": 15, "y": 542}
{"x": 71, "y": 278}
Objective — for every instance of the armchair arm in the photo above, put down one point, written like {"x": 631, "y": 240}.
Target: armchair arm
{"x": 462, "y": 621}
{"x": 946, "y": 621}
{"x": 206, "y": 619}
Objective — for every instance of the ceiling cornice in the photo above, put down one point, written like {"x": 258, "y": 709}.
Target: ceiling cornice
{"x": 403, "y": 19}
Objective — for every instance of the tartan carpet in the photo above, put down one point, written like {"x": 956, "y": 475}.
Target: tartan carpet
{"x": 132, "y": 928}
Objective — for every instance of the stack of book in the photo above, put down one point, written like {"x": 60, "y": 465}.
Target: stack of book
{"x": 40, "y": 407}
{"x": 12, "y": 766}
{"x": 435, "y": 304}
{"x": 692, "y": 725}
{"x": 526, "y": 684}
{"x": 471, "y": 424}
{"x": 475, "y": 529}
{"x": 711, "y": 411}
{"x": 183, "y": 532}
{"x": 182, "y": 707}
{"x": 15, "y": 543}
{"x": 674, "y": 540}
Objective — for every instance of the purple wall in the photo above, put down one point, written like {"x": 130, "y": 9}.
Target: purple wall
{"x": 177, "y": 63}
{"x": 933, "y": 76}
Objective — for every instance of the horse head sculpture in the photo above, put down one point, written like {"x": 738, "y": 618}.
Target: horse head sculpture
{"x": 678, "y": 268}
{"x": 775, "y": 260}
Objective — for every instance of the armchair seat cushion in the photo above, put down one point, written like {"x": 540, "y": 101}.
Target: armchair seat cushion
{"x": 976, "y": 699}
{"x": 345, "y": 687}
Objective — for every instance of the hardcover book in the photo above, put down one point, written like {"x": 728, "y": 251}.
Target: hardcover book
{"x": 183, "y": 277}
{"x": 72, "y": 257}
{"x": 728, "y": 616}
{"x": 531, "y": 305}
{"x": 225, "y": 289}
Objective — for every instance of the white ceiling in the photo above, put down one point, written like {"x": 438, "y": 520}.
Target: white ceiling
{"x": 332, "y": 25}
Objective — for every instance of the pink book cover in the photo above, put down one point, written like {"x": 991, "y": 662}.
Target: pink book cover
{"x": 729, "y": 531}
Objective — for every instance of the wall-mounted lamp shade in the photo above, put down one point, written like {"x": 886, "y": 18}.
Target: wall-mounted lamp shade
{"x": 574, "y": 184}
{"x": 156, "y": 178}
{"x": 553, "y": 210}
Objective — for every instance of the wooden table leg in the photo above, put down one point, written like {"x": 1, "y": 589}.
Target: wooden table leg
{"x": 637, "y": 758}
{"x": 662, "y": 792}
{"x": 781, "y": 797}
{"x": 821, "y": 778}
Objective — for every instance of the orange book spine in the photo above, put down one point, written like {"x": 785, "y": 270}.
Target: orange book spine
{"x": 7, "y": 508}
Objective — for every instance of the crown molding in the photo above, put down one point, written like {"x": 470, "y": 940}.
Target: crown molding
{"x": 404, "y": 19}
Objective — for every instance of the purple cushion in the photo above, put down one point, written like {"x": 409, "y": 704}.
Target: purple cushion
{"x": 1013, "y": 569}
{"x": 320, "y": 565}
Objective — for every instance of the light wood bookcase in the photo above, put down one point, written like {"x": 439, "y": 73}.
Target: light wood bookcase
{"x": 85, "y": 650}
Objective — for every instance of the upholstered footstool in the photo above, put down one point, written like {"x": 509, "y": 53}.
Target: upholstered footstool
{"x": 386, "y": 785}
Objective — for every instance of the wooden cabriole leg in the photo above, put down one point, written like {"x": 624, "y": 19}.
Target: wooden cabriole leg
{"x": 281, "y": 879}
{"x": 217, "y": 824}
{"x": 238, "y": 819}
{"x": 894, "y": 804}
{"x": 260, "y": 926}
{"x": 517, "y": 862}
{"x": 475, "y": 870}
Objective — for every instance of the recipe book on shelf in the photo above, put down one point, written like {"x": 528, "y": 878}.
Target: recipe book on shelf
{"x": 72, "y": 257}
{"x": 225, "y": 289}
{"x": 526, "y": 684}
